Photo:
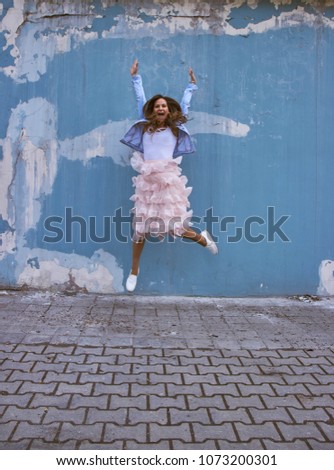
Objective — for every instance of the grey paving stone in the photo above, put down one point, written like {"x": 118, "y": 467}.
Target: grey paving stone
{"x": 174, "y": 390}
{"x": 204, "y": 360}
{"x": 321, "y": 389}
{"x": 113, "y": 432}
{"x": 31, "y": 387}
{"x": 56, "y": 415}
{"x": 21, "y": 366}
{"x": 180, "y": 432}
{"x": 213, "y": 401}
{"x": 65, "y": 388}
{"x": 137, "y": 416}
{"x": 323, "y": 379}
{"x": 77, "y": 401}
{"x": 156, "y": 389}
{"x": 48, "y": 366}
{"x": 315, "y": 414}
{"x": 92, "y": 432}
{"x": 52, "y": 377}
{"x": 32, "y": 415}
{"x": 226, "y": 389}
{"x": 40, "y": 399}
{"x": 95, "y": 415}
{"x": 300, "y": 431}
{"x": 132, "y": 360}
{"x": 156, "y": 402}
{"x": 252, "y": 444}
{"x": 87, "y": 378}
{"x": 298, "y": 444}
{"x": 6, "y": 429}
{"x": 139, "y": 402}
{"x": 86, "y": 445}
{"x": 252, "y": 401}
{"x": 317, "y": 445}
{"x": 223, "y": 431}
{"x": 133, "y": 445}
{"x": 189, "y": 416}
{"x": 229, "y": 416}
{"x": 327, "y": 430}
{"x": 151, "y": 368}
{"x": 283, "y": 401}
{"x": 257, "y": 431}
{"x": 271, "y": 415}
{"x": 39, "y": 444}
{"x": 56, "y": 349}
{"x": 77, "y": 359}
{"x": 141, "y": 378}
{"x": 26, "y": 430}
{"x": 12, "y": 356}
{"x": 164, "y": 378}
{"x": 103, "y": 389}
{"x": 206, "y": 445}
{"x": 199, "y": 378}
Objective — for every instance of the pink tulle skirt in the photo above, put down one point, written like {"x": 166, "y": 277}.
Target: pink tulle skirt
{"x": 161, "y": 198}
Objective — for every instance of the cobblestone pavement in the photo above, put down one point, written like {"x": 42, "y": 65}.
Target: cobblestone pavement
{"x": 129, "y": 372}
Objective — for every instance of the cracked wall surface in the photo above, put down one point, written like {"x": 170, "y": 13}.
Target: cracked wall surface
{"x": 261, "y": 120}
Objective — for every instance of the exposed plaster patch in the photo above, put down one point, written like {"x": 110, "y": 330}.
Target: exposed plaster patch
{"x": 99, "y": 274}
{"x": 36, "y": 36}
{"x": 326, "y": 275}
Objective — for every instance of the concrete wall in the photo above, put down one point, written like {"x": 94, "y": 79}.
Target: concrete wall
{"x": 262, "y": 121}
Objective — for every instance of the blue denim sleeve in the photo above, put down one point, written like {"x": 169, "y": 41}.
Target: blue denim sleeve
{"x": 186, "y": 99}
{"x": 140, "y": 94}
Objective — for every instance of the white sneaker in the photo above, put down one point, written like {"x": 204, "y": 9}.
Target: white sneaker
{"x": 131, "y": 282}
{"x": 210, "y": 244}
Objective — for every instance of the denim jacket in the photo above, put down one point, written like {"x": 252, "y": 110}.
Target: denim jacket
{"x": 134, "y": 136}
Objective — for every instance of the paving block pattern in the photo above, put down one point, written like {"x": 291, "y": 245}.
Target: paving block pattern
{"x": 104, "y": 372}
{"x": 153, "y": 408}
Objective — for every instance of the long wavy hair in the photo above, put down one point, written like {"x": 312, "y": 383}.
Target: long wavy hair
{"x": 175, "y": 116}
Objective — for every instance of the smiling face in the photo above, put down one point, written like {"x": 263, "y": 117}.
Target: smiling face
{"x": 161, "y": 109}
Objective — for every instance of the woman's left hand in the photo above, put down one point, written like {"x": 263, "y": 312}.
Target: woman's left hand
{"x": 192, "y": 75}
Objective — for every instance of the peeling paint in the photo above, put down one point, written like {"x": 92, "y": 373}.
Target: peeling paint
{"x": 326, "y": 275}
{"x": 29, "y": 163}
{"x": 100, "y": 273}
{"x": 66, "y": 27}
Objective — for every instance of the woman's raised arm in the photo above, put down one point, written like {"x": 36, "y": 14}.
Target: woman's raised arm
{"x": 188, "y": 93}
{"x": 138, "y": 87}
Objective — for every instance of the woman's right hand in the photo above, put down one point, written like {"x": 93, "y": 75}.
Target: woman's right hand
{"x": 134, "y": 67}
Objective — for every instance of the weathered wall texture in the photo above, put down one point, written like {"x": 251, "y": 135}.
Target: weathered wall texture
{"x": 262, "y": 121}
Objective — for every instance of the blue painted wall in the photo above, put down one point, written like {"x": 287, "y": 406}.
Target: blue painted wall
{"x": 262, "y": 121}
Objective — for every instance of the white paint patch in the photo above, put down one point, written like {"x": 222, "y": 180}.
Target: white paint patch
{"x": 103, "y": 141}
{"x": 326, "y": 275}
{"x": 205, "y": 123}
{"x": 98, "y": 274}
{"x": 29, "y": 161}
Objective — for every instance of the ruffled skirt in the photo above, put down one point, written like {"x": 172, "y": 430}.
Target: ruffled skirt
{"x": 161, "y": 198}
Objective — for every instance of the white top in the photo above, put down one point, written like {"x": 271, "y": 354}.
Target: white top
{"x": 159, "y": 145}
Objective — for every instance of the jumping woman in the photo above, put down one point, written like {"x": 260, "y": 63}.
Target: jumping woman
{"x": 160, "y": 139}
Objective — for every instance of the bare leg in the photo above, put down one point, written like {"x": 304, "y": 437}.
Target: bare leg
{"x": 137, "y": 248}
{"x": 196, "y": 237}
